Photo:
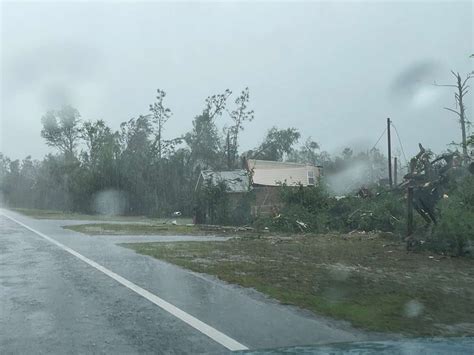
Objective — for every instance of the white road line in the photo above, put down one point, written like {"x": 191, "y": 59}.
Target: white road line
{"x": 204, "y": 328}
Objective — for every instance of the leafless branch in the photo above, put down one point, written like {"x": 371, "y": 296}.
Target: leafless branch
{"x": 469, "y": 76}
{"x": 445, "y": 85}
{"x": 456, "y": 112}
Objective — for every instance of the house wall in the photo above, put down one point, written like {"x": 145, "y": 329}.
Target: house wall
{"x": 272, "y": 173}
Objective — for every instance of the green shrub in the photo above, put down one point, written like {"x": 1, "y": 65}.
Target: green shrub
{"x": 454, "y": 234}
{"x": 312, "y": 198}
{"x": 305, "y": 209}
{"x": 312, "y": 209}
{"x": 216, "y": 205}
{"x": 315, "y": 208}
{"x": 384, "y": 212}
{"x": 213, "y": 201}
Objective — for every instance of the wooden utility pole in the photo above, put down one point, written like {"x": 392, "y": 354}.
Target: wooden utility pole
{"x": 389, "y": 153}
{"x": 395, "y": 171}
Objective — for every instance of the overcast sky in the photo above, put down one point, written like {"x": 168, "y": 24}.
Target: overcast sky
{"x": 334, "y": 70}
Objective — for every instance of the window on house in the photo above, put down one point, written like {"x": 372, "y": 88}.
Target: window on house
{"x": 311, "y": 178}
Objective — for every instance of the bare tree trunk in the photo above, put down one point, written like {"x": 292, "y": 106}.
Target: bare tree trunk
{"x": 159, "y": 140}
{"x": 228, "y": 152}
{"x": 462, "y": 116}
{"x": 462, "y": 90}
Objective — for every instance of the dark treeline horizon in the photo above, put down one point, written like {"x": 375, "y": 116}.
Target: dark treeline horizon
{"x": 157, "y": 175}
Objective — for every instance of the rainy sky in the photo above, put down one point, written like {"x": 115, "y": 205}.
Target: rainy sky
{"x": 334, "y": 70}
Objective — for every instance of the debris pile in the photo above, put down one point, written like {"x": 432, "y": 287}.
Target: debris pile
{"x": 430, "y": 180}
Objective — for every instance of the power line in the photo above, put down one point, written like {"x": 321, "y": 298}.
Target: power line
{"x": 400, "y": 142}
{"x": 378, "y": 140}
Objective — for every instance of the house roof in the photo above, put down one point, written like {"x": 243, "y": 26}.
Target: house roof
{"x": 235, "y": 180}
{"x": 270, "y": 164}
{"x": 274, "y": 173}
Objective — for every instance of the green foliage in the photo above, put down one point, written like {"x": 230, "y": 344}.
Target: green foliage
{"x": 216, "y": 204}
{"x": 239, "y": 116}
{"x": 204, "y": 141}
{"x": 385, "y": 212}
{"x": 293, "y": 218}
{"x": 213, "y": 202}
{"x": 308, "y": 153}
{"x": 470, "y": 140}
{"x": 454, "y": 233}
{"x": 215, "y": 104}
{"x": 158, "y": 176}
{"x": 161, "y": 114}
{"x": 312, "y": 209}
{"x": 277, "y": 143}
{"x": 320, "y": 212}
{"x": 61, "y": 129}
{"x": 304, "y": 209}
{"x": 311, "y": 198}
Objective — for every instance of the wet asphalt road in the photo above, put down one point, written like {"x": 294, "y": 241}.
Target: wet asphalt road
{"x": 52, "y": 302}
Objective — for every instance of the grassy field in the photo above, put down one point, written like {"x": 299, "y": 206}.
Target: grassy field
{"x": 153, "y": 229}
{"x": 369, "y": 280}
{"x": 134, "y": 229}
{"x": 51, "y": 214}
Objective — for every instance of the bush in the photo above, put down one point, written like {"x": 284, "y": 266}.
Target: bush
{"x": 312, "y": 198}
{"x": 454, "y": 234}
{"x": 314, "y": 207}
{"x": 305, "y": 209}
{"x": 295, "y": 218}
{"x": 213, "y": 202}
{"x": 384, "y": 212}
{"x": 216, "y": 205}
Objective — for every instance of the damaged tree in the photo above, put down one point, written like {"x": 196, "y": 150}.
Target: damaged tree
{"x": 239, "y": 116}
{"x": 462, "y": 89}
{"x": 428, "y": 181}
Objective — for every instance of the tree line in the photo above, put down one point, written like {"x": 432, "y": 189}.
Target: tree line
{"x": 157, "y": 175}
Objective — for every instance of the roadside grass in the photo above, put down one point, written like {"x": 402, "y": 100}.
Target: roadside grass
{"x": 134, "y": 229}
{"x": 52, "y": 214}
{"x": 156, "y": 228}
{"x": 369, "y": 280}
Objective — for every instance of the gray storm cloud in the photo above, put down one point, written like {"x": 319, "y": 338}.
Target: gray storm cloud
{"x": 53, "y": 71}
{"x": 334, "y": 70}
{"x": 415, "y": 84}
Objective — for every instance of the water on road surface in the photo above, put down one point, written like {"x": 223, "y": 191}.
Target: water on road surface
{"x": 53, "y": 302}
